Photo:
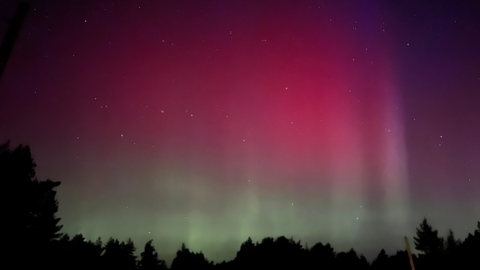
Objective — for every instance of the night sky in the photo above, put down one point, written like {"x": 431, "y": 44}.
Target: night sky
{"x": 207, "y": 122}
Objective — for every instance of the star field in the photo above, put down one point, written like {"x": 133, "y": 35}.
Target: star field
{"x": 210, "y": 122}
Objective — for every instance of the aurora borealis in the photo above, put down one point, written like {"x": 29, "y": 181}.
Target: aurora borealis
{"x": 207, "y": 122}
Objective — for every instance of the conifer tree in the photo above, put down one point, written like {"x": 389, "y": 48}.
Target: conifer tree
{"x": 30, "y": 219}
{"x": 427, "y": 239}
{"x": 149, "y": 258}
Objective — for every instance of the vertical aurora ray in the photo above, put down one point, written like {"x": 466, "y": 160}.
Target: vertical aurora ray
{"x": 331, "y": 129}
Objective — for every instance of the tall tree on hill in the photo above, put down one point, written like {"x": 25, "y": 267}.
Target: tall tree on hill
{"x": 30, "y": 218}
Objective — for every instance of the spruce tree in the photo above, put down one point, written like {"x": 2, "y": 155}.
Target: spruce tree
{"x": 427, "y": 239}
{"x": 30, "y": 214}
{"x": 149, "y": 258}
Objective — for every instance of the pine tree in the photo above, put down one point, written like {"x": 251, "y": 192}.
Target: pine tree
{"x": 427, "y": 239}
{"x": 129, "y": 258}
{"x": 186, "y": 259}
{"x": 149, "y": 258}
{"x": 451, "y": 243}
{"x": 381, "y": 262}
{"x": 30, "y": 219}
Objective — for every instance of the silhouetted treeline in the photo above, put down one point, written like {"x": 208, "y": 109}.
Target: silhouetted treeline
{"x": 33, "y": 239}
{"x": 29, "y": 207}
{"x": 270, "y": 253}
{"x": 449, "y": 253}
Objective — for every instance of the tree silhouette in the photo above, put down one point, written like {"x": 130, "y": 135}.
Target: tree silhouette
{"x": 43, "y": 226}
{"x": 149, "y": 259}
{"x": 119, "y": 255}
{"x": 401, "y": 261}
{"x": 350, "y": 260}
{"x": 451, "y": 244}
{"x": 322, "y": 256}
{"x": 427, "y": 239}
{"x": 32, "y": 223}
{"x": 470, "y": 249}
{"x": 189, "y": 260}
{"x": 77, "y": 253}
{"x": 382, "y": 261}
{"x": 247, "y": 255}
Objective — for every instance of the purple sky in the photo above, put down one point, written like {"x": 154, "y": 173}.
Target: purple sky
{"x": 207, "y": 122}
